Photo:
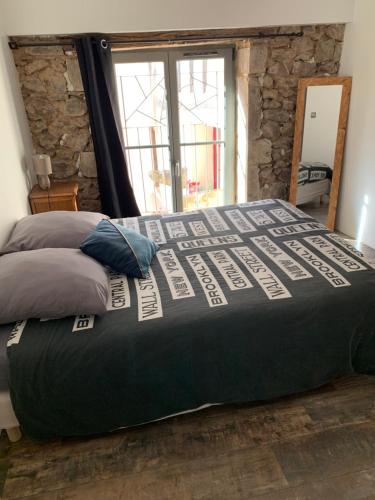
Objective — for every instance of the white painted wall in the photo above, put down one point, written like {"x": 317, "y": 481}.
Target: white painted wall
{"x": 15, "y": 146}
{"x": 356, "y": 215}
{"x": 33, "y": 17}
{"x": 320, "y": 133}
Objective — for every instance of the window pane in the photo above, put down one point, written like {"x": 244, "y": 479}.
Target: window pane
{"x": 151, "y": 179}
{"x": 202, "y": 175}
{"x": 143, "y": 106}
{"x": 200, "y": 97}
{"x": 144, "y": 120}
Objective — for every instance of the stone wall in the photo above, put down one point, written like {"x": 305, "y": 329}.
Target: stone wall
{"x": 55, "y": 105}
{"x": 275, "y": 66}
{"x": 59, "y": 123}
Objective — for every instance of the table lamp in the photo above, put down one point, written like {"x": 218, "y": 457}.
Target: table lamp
{"x": 43, "y": 168}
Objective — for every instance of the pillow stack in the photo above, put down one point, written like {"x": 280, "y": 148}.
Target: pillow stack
{"x": 44, "y": 274}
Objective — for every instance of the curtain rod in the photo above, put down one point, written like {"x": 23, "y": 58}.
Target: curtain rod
{"x": 13, "y": 44}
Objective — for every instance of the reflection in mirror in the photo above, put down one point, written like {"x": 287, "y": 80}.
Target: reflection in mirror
{"x": 316, "y": 165}
{"x": 318, "y": 149}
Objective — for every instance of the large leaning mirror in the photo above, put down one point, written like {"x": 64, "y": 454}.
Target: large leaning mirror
{"x": 321, "y": 119}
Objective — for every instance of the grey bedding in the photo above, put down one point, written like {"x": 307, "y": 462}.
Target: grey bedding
{"x": 56, "y": 229}
{"x": 51, "y": 283}
{"x": 243, "y": 303}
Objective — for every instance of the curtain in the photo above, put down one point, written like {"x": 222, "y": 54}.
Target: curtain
{"x": 99, "y": 83}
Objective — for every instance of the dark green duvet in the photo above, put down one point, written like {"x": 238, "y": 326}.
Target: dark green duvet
{"x": 243, "y": 303}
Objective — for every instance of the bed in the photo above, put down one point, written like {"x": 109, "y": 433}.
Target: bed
{"x": 314, "y": 181}
{"x": 243, "y": 303}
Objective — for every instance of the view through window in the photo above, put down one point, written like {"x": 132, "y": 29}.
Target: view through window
{"x": 173, "y": 114}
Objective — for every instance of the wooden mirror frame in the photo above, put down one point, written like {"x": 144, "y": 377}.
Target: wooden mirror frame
{"x": 346, "y": 82}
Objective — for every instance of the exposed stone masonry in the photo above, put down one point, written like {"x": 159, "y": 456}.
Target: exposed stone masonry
{"x": 59, "y": 123}
{"x": 275, "y": 67}
{"x": 56, "y": 109}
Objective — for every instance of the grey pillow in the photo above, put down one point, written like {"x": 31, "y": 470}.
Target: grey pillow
{"x": 58, "y": 229}
{"x": 51, "y": 283}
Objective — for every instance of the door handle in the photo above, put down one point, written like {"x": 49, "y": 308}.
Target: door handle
{"x": 177, "y": 168}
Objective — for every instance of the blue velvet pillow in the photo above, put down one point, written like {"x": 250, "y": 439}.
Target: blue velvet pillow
{"x": 122, "y": 249}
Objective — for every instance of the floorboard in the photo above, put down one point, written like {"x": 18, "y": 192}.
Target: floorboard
{"x": 319, "y": 444}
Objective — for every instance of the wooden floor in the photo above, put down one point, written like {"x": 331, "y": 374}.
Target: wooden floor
{"x": 319, "y": 445}
{"x": 319, "y": 212}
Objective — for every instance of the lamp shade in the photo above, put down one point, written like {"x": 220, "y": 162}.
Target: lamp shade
{"x": 42, "y": 164}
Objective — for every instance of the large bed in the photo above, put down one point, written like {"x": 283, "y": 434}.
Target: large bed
{"x": 314, "y": 182}
{"x": 243, "y": 303}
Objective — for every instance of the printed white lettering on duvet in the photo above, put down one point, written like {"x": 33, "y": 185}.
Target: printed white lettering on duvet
{"x": 198, "y": 228}
{"x": 119, "y": 296}
{"x": 149, "y": 302}
{"x": 257, "y": 203}
{"x": 282, "y": 215}
{"x": 83, "y": 322}
{"x": 330, "y": 274}
{"x": 214, "y": 294}
{"x": 234, "y": 277}
{"x": 215, "y": 220}
{"x": 213, "y": 241}
{"x": 176, "y": 229}
{"x": 285, "y": 262}
{"x": 334, "y": 253}
{"x": 179, "y": 214}
{"x": 350, "y": 248}
{"x": 239, "y": 221}
{"x": 295, "y": 210}
{"x": 155, "y": 231}
{"x": 270, "y": 283}
{"x": 260, "y": 217}
{"x": 178, "y": 282}
{"x": 15, "y": 334}
{"x": 302, "y": 227}
{"x": 131, "y": 223}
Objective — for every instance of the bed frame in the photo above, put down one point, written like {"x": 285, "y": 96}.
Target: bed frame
{"x": 311, "y": 191}
{"x": 8, "y": 419}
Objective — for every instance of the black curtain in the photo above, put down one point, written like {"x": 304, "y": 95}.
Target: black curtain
{"x": 116, "y": 192}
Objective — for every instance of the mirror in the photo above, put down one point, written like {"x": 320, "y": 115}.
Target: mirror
{"x": 321, "y": 118}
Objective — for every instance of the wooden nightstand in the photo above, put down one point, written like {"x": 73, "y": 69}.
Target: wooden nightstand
{"x": 60, "y": 196}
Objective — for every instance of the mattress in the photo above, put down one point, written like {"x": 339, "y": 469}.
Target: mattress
{"x": 243, "y": 303}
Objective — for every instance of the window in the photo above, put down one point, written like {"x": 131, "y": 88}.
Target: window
{"x": 177, "y": 114}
